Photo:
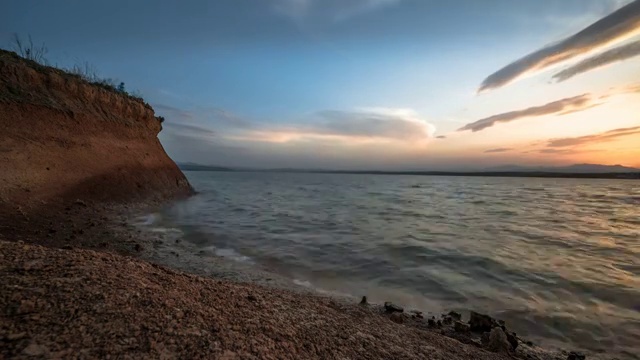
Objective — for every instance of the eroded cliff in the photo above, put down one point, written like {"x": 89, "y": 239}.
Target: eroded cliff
{"x": 63, "y": 138}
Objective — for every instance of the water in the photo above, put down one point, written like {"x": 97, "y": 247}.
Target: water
{"x": 558, "y": 259}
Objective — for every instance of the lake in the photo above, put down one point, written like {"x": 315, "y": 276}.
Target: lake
{"x": 557, "y": 259}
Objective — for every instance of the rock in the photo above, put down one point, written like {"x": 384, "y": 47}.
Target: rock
{"x": 455, "y": 315}
{"x": 364, "y": 301}
{"x": 461, "y": 327}
{"x": 252, "y": 298}
{"x": 485, "y": 339}
{"x": 391, "y": 307}
{"x": 34, "y": 350}
{"x": 498, "y": 342}
{"x": 529, "y": 343}
{"x": 417, "y": 314}
{"x": 81, "y": 203}
{"x": 138, "y": 247}
{"x": 513, "y": 340}
{"x": 481, "y": 323}
{"x": 16, "y": 336}
{"x": 576, "y": 356}
{"x": 397, "y": 318}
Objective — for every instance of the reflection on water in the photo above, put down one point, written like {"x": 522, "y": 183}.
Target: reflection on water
{"x": 558, "y": 259}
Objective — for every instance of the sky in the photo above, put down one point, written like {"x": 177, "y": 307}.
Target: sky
{"x": 364, "y": 84}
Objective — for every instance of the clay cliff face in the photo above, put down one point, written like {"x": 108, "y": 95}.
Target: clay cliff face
{"x": 62, "y": 138}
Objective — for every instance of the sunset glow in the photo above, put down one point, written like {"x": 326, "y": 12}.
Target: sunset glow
{"x": 378, "y": 84}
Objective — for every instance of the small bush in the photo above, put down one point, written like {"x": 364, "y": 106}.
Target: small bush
{"x": 160, "y": 119}
{"x": 107, "y": 84}
{"x": 28, "y": 50}
{"x": 83, "y": 70}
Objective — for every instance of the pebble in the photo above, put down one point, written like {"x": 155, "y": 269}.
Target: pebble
{"x": 17, "y": 336}
{"x": 397, "y": 317}
{"x": 391, "y": 307}
{"x": 461, "y": 327}
{"x": 34, "y": 350}
{"x": 455, "y": 315}
{"x": 576, "y": 356}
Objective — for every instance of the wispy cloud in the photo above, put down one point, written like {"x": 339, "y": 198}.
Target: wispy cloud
{"x": 616, "y": 27}
{"x": 335, "y": 10}
{"x": 173, "y": 113}
{"x": 189, "y": 129}
{"x": 593, "y": 139}
{"x": 498, "y": 150}
{"x": 366, "y": 125}
{"x": 218, "y": 116}
{"x": 614, "y": 55}
{"x": 401, "y": 124}
{"x": 560, "y": 107}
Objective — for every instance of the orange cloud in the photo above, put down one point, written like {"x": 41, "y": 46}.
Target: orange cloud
{"x": 498, "y": 150}
{"x": 559, "y": 107}
{"x": 593, "y": 139}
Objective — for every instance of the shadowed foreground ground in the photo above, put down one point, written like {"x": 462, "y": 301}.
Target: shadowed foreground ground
{"x": 86, "y": 304}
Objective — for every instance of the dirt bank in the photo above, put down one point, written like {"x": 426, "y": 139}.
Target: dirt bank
{"x": 64, "y": 139}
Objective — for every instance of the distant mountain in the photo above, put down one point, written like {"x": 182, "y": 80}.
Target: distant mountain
{"x": 571, "y": 169}
{"x": 189, "y": 166}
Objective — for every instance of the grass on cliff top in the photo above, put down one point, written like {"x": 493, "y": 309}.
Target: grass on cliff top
{"x": 34, "y": 56}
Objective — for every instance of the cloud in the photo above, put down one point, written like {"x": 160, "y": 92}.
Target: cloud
{"x": 335, "y": 10}
{"x": 595, "y": 138}
{"x": 441, "y": 137}
{"x": 611, "y": 29}
{"x": 360, "y": 126}
{"x": 173, "y": 113}
{"x": 188, "y": 129}
{"x": 215, "y": 115}
{"x": 400, "y": 124}
{"x": 559, "y": 107}
{"x": 631, "y": 89}
{"x": 614, "y": 55}
{"x": 498, "y": 150}
{"x": 558, "y": 151}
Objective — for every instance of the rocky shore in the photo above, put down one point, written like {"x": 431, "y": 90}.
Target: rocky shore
{"x": 73, "y": 303}
{"x": 63, "y": 300}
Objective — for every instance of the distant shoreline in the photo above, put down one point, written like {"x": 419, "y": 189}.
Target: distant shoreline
{"x": 510, "y": 174}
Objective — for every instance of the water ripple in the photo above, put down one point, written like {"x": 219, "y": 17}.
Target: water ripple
{"x": 559, "y": 259}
